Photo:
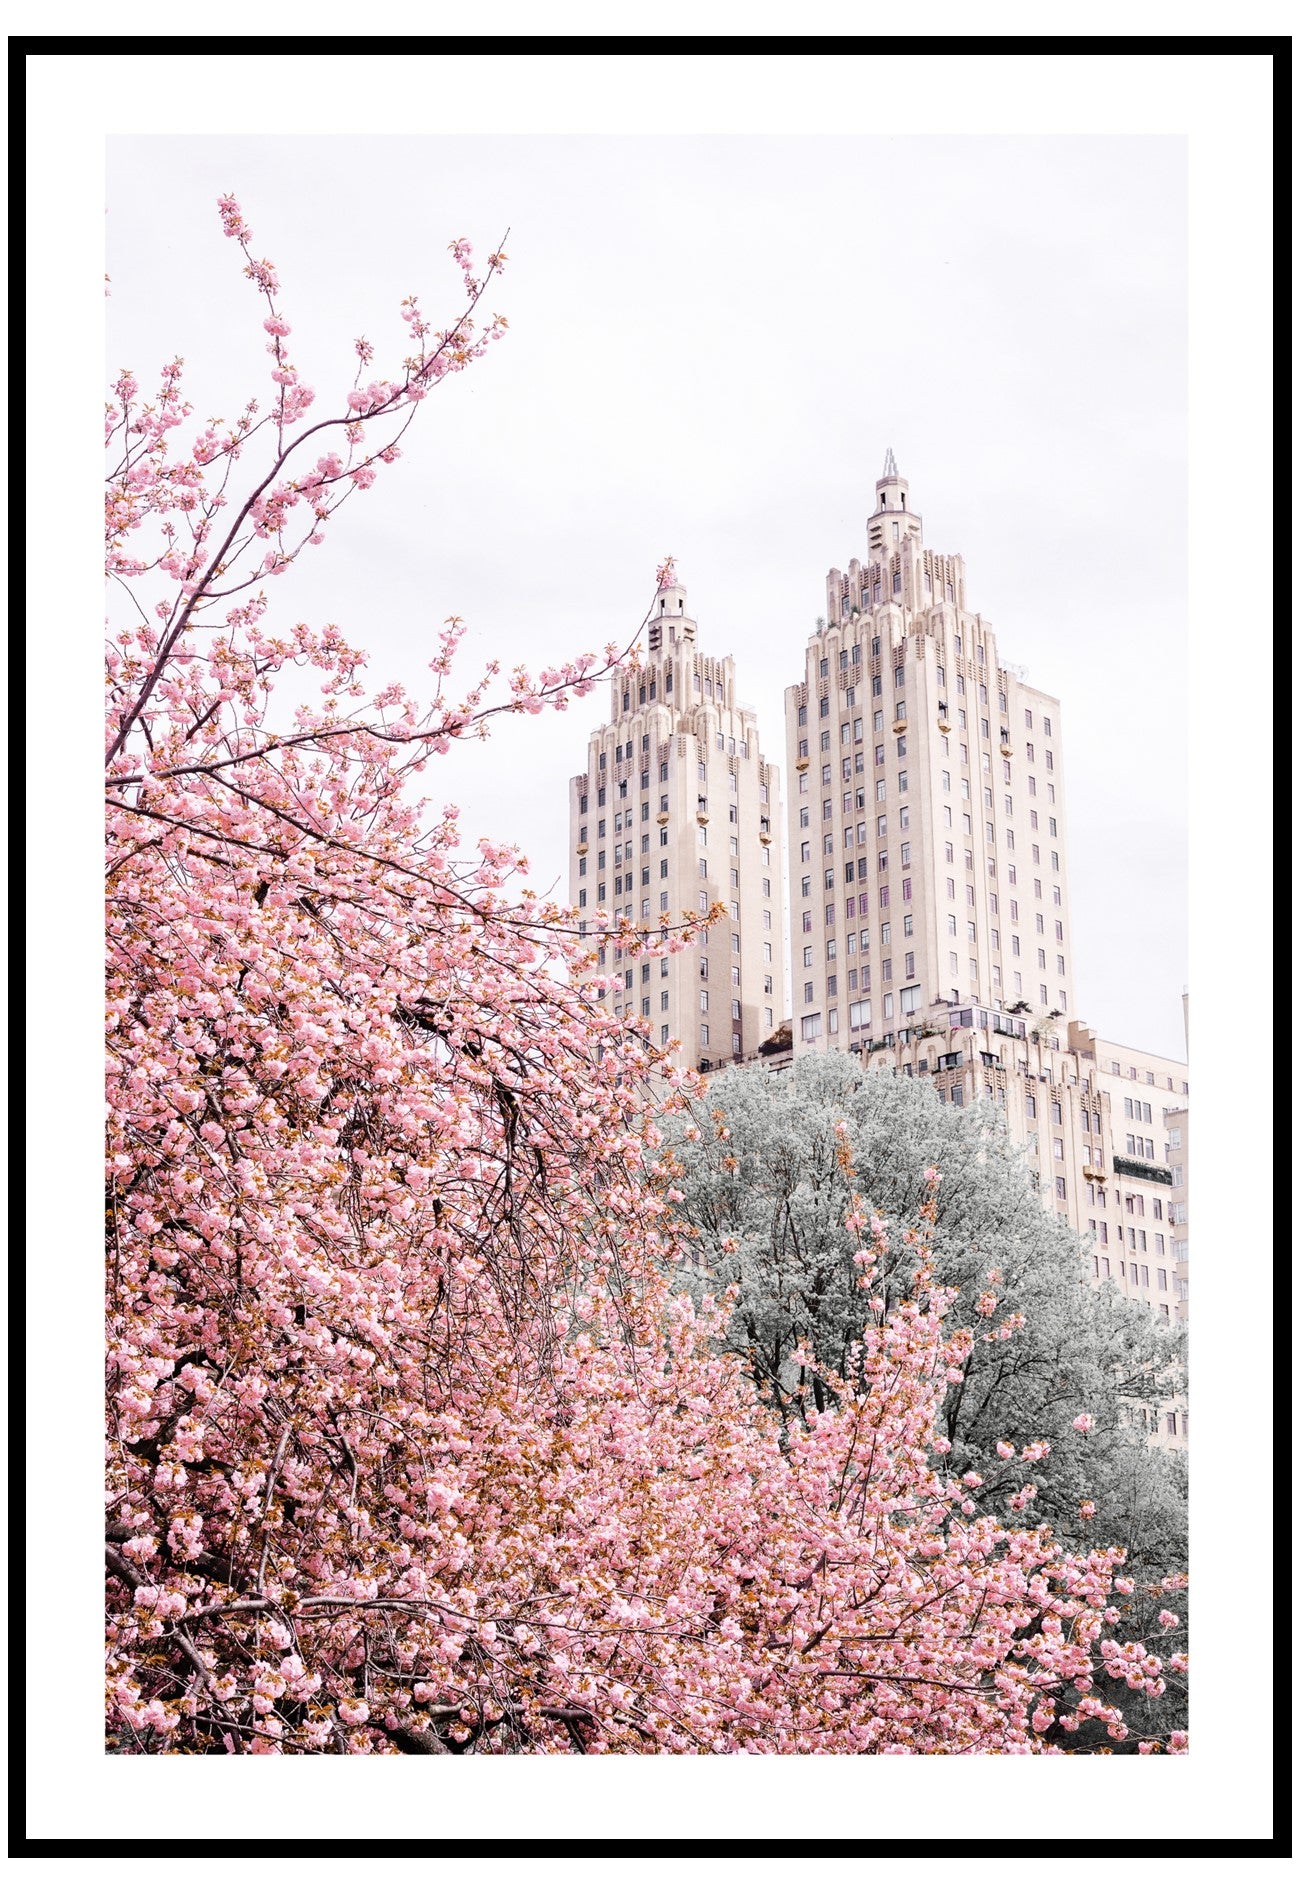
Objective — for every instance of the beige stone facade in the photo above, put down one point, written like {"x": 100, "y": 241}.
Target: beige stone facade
{"x": 1133, "y": 1218}
{"x": 929, "y": 902}
{"x": 926, "y": 807}
{"x": 678, "y": 811}
{"x": 1177, "y": 1129}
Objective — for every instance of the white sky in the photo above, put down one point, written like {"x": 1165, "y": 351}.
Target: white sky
{"x": 713, "y": 340}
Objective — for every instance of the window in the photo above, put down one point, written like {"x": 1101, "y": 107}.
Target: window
{"x": 810, "y": 1027}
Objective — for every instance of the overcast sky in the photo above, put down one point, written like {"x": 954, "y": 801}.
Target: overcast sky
{"x": 712, "y": 342}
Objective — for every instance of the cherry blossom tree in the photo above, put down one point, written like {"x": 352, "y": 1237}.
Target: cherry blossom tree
{"x": 1058, "y": 1367}
{"x": 411, "y": 1445}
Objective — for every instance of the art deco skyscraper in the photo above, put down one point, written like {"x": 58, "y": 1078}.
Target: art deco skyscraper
{"x": 929, "y": 902}
{"x": 926, "y": 811}
{"x": 677, "y": 811}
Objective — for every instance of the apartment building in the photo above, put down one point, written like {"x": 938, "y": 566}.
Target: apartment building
{"x": 929, "y": 900}
{"x": 926, "y": 816}
{"x": 678, "y": 811}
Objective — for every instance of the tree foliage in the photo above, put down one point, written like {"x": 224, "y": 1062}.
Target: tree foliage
{"x": 767, "y": 1185}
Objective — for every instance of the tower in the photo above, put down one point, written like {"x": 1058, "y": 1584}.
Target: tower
{"x": 927, "y": 820}
{"x": 929, "y": 903}
{"x": 678, "y": 811}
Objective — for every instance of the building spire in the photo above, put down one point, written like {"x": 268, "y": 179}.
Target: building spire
{"x": 891, "y": 496}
